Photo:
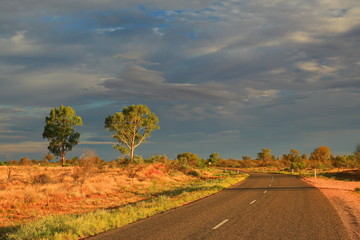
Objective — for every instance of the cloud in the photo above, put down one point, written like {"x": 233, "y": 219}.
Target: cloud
{"x": 18, "y": 44}
{"x": 104, "y": 30}
{"x": 96, "y": 143}
{"x": 24, "y": 147}
{"x": 271, "y": 67}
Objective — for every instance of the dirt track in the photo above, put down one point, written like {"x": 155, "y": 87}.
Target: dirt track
{"x": 345, "y": 200}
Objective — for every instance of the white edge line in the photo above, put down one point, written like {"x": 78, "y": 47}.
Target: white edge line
{"x": 220, "y": 224}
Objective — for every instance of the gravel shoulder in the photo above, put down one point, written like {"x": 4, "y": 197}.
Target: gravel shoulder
{"x": 346, "y": 201}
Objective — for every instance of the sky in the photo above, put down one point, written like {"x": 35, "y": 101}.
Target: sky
{"x": 229, "y": 76}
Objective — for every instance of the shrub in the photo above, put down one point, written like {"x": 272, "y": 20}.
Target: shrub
{"x": 138, "y": 159}
{"x": 25, "y": 161}
{"x": 157, "y": 158}
{"x": 42, "y": 179}
{"x": 357, "y": 190}
{"x": 191, "y": 158}
{"x": 194, "y": 173}
{"x": 201, "y": 163}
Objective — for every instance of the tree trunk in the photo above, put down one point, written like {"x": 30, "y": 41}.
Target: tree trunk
{"x": 132, "y": 154}
{"x": 63, "y": 161}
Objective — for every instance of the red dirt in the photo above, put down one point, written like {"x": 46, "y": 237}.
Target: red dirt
{"x": 345, "y": 200}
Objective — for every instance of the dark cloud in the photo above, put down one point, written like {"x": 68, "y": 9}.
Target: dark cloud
{"x": 273, "y": 71}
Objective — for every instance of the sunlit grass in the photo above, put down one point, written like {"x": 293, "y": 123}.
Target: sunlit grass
{"x": 77, "y": 226}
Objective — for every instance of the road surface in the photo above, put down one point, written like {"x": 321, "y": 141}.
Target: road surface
{"x": 264, "y": 206}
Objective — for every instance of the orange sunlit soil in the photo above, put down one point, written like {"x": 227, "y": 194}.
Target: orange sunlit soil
{"x": 30, "y": 192}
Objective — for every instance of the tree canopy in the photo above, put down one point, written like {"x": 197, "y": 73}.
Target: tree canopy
{"x": 131, "y": 126}
{"x": 59, "y": 130}
{"x": 321, "y": 154}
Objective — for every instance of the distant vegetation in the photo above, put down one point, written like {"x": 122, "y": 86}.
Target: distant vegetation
{"x": 321, "y": 158}
{"x": 133, "y": 126}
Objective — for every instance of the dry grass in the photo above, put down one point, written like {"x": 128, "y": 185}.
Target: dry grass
{"x": 32, "y": 192}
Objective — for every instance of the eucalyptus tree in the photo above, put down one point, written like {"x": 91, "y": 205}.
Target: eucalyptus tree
{"x": 131, "y": 127}
{"x": 321, "y": 154}
{"x": 59, "y": 130}
{"x": 265, "y": 155}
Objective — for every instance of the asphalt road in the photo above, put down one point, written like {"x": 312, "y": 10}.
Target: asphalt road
{"x": 265, "y": 206}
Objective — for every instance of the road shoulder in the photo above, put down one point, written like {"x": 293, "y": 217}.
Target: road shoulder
{"x": 345, "y": 200}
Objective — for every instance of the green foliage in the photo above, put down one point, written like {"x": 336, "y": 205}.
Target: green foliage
{"x": 138, "y": 159}
{"x": 131, "y": 126}
{"x": 300, "y": 165}
{"x": 194, "y": 173}
{"x": 188, "y": 158}
{"x": 157, "y": 158}
{"x": 357, "y": 153}
{"x": 341, "y": 161}
{"x": 201, "y": 163}
{"x": 265, "y": 156}
{"x": 213, "y": 159}
{"x": 124, "y": 150}
{"x": 59, "y": 130}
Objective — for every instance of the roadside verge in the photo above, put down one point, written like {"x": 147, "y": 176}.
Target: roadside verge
{"x": 84, "y": 225}
{"x": 345, "y": 200}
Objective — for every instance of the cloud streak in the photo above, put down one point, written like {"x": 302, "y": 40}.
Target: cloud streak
{"x": 268, "y": 69}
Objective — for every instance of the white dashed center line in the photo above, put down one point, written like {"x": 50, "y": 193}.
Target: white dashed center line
{"x": 220, "y": 224}
{"x": 265, "y": 191}
{"x": 253, "y": 202}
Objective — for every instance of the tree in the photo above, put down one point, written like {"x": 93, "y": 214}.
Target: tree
{"x": 59, "y": 130}
{"x": 321, "y": 154}
{"x": 188, "y": 158}
{"x": 265, "y": 155}
{"x": 214, "y": 159}
{"x": 341, "y": 161}
{"x": 357, "y": 152}
{"x": 300, "y": 165}
{"x": 131, "y": 126}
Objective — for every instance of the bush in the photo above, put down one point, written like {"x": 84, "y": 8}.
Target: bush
{"x": 194, "y": 173}
{"x": 157, "y": 158}
{"x": 138, "y": 159}
{"x": 25, "y": 161}
{"x": 190, "y": 158}
{"x": 42, "y": 179}
{"x": 201, "y": 163}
